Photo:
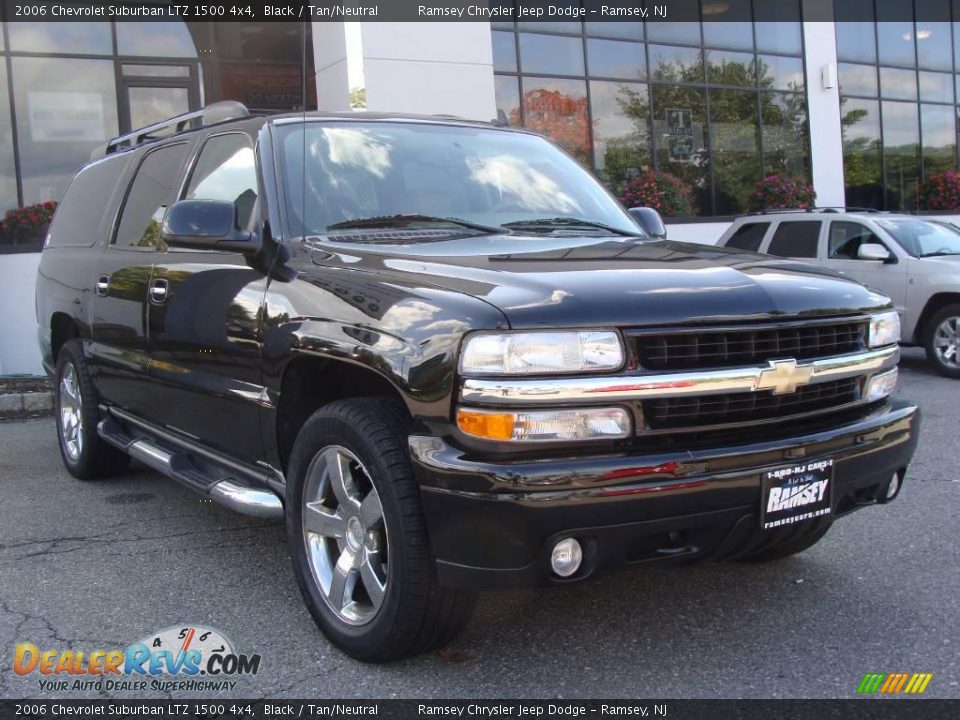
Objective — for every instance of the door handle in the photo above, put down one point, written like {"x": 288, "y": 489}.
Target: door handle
{"x": 159, "y": 290}
{"x": 103, "y": 285}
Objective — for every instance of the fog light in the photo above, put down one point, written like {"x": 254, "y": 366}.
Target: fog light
{"x": 566, "y": 557}
{"x": 894, "y": 486}
{"x": 881, "y": 386}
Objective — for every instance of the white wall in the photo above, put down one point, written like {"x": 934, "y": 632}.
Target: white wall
{"x": 702, "y": 233}
{"x": 19, "y": 353}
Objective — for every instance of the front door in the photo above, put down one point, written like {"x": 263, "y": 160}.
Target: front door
{"x": 844, "y": 239}
{"x": 204, "y": 316}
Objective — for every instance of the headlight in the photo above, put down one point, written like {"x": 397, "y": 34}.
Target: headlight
{"x": 545, "y": 425}
{"x": 541, "y": 353}
{"x": 884, "y": 329}
{"x": 881, "y": 386}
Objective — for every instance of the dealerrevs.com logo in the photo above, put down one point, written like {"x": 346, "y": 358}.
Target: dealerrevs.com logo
{"x": 191, "y": 657}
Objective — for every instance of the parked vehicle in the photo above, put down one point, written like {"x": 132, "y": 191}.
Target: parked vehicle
{"x": 451, "y": 361}
{"x": 914, "y": 261}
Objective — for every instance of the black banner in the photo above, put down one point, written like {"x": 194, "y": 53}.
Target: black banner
{"x": 872, "y": 709}
{"x": 450, "y": 10}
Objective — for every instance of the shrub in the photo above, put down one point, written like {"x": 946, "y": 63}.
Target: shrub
{"x": 777, "y": 192}
{"x": 661, "y": 191}
{"x": 941, "y": 191}
{"x": 31, "y": 217}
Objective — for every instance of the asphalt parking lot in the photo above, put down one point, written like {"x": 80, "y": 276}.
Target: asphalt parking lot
{"x": 100, "y": 565}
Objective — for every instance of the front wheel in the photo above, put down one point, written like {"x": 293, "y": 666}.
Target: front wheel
{"x": 358, "y": 538}
{"x": 942, "y": 341}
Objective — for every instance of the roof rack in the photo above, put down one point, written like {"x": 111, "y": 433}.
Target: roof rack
{"x": 823, "y": 209}
{"x": 212, "y": 114}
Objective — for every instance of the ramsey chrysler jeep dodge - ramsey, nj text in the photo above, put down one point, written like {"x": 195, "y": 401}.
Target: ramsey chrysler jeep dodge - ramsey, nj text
{"x": 451, "y": 361}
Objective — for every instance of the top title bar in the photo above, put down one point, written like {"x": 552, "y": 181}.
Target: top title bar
{"x": 454, "y": 10}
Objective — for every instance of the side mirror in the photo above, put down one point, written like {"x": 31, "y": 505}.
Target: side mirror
{"x": 649, "y": 221}
{"x": 873, "y": 251}
{"x": 206, "y": 225}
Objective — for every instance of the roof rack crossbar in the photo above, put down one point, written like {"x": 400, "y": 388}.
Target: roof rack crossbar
{"x": 210, "y": 115}
{"x": 819, "y": 209}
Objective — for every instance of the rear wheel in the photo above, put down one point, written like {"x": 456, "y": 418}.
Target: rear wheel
{"x": 358, "y": 538}
{"x": 942, "y": 341}
{"x": 86, "y": 455}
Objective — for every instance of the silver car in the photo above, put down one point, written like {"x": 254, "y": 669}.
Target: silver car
{"x": 915, "y": 261}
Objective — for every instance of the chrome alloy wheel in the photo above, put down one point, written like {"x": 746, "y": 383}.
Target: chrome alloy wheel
{"x": 345, "y": 535}
{"x": 946, "y": 341}
{"x": 71, "y": 412}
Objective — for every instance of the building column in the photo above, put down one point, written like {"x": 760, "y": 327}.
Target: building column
{"x": 432, "y": 68}
{"x": 826, "y": 140}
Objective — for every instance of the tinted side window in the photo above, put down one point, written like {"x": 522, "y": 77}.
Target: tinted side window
{"x": 150, "y": 193}
{"x": 79, "y": 215}
{"x": 795, "y": 239}
{"x": 748, "y": 236}
{"x": 226, "y": 170}
{"x": 846, "y": 238}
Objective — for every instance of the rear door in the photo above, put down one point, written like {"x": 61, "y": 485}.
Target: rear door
{"x": 119, "y": 317}
{"x": 840, "y": 253}
{"x": 204, "y": 315}
{"x": 795, "y": 239}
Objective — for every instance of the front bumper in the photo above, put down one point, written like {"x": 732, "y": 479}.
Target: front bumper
{"x": 494, "y": 523}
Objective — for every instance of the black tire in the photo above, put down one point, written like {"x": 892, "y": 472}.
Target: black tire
{"x": 416, "y": 614}
{"x": 789, "y": 548}
{"x": 91, "y": 457}
{"x": 929, "y": 339}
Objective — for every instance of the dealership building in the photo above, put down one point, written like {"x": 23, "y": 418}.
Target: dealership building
{"x": 857, "y": 96}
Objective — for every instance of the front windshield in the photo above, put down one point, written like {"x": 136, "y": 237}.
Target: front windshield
{"x": 341, "y": 171}
{"x": 921, "y": 238}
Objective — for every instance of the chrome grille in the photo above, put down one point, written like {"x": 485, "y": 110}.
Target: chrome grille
{"x": 731, "y": 347}
{"x": 693, "y": 412}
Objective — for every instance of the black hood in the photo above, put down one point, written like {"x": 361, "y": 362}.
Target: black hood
{"x": 586, "y": 281}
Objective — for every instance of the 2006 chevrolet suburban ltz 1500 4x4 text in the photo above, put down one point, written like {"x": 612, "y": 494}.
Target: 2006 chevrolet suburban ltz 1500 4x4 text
{"x": 451, "y": 361}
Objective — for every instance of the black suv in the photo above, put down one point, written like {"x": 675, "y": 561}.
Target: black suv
{"x": 451, "y": 361}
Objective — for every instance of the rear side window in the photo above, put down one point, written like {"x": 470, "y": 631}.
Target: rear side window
{"x": 79, "y": 215}
{"x": 226, "y": 170}
{"x": 150, "y": 194}
{"x": 748, "y": 236}
{"x": 795, "y": 239}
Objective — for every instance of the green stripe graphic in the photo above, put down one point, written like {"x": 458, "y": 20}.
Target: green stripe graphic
{"x": 871, "y": 682}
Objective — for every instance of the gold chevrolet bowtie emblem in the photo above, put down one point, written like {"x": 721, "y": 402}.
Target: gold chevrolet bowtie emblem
{"x": 784, "y": 376}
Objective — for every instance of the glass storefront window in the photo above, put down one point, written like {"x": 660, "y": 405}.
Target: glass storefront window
{"x": 778, "y": 26}
{"x": 730, "y": 68}
{"x": 898, "y": 84}
{"x": 858, "y": 79}
{"x": 558, "y": 108}
{"x": 938, "y": 128}
{"x": 64, "y": 109}
{"x": 856, "y": 31}
{"x": 177, "y": 71}
{"x": 735, "y": 148}
{"x": 504, "y": 51}
{"x": 157, "y": 39}
{"x": 936, "y": 87}
{"x": 862, "y": 167}
{"x": 508, "y": 98}
{"x": 676, "y": 64}
{"x": 683, "y": 33}
{"x": 621, "y": 130}
{"x": 785, "y": 131}
{"x": 150, "y": 105}
{"x": 619, "y": 30}
{"x": 616, "y": 59}
{"x": 895, "y": 37}
{"x": 780, "y": 73}
{"x": 81, "y": 38}
{"x": 8, "y": 178}
{"x": 680, "y": 139}
{"x": 901, "y": 153}
{"x": 551, "y": 54}
{"x": 727, "y": 24}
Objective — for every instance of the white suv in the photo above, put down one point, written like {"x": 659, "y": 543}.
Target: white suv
{"x": 914, "y": 261}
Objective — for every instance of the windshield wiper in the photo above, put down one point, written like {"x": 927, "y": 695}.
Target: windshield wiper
{"x": 569, "y": 222}
{"x": 402, "y": 221}
{"x": 940, "y": 254}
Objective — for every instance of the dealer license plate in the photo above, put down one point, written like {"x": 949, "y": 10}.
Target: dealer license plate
{"x": 796, "y": 493}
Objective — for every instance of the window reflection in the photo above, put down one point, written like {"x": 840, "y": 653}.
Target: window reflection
{"x": 615, "y": 59}
{"x": 8, "y": 180}
{"x": 621, "y": 135}
{"x": 858, "y": 79}
{"x": 898, "y": 84}
{"x": 558, "y": 108}
{"x": 508, "y": 98}
{"x": 938, "y": 128}
{"x": 504, "y": 51}
{"x": 781, "y": 73}
{"x": 901, "y": 153}
{"x": 83, "y": 38}
{"x": 936, "y": 87}
{"x": 159, "y": 39}
{"x": 676, "y": 64}
{"x": 679, "y": 136}
{"x": 730, "y": 68}
{"x": 785, "y": 134}
{"x": 863, "y": 174}
{"x": 551, "y": 54}
{"x": 735, "y": 147}
{"x": 65, "y": 108}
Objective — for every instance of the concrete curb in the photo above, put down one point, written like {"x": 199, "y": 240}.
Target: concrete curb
{"x": 26, "y": 404}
